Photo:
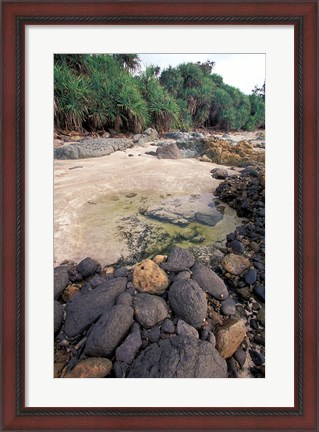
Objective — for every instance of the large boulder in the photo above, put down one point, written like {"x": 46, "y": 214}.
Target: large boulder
{"x": 84, "y": 309}
{"x": 188, "y": 301}
{"x": 209, "y": 281}
{"x": 170, "y": 151}
{"x": 179, "y": 357}
{"x": 109, "y": 331}
{"x": 61, "y": 280}
{"x": 150, "y": 278}
{"x": 178, "y": 260}
{"x": 149, "y": 309}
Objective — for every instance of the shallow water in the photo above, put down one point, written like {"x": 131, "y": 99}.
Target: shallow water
{"x": 117, "y": 226}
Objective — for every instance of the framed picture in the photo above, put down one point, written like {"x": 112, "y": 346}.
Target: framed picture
{"x": 36, "y": 37}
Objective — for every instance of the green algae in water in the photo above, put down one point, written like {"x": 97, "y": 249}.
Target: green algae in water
{"x": 113, "y": 214}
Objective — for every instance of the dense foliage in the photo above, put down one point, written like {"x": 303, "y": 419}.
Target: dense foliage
{"x": 97, "y": 92}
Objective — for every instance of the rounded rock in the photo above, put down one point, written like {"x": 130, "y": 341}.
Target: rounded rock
{"x": 149, "y": 309}
{"x": 260, "y": 291}
{"x": 179, "y": 260}
{"x": 250, "y": 276}
{"x": 88, "y": 267}
{"x": 237, "y": 247}
{"x": 188, "y": 301}
{"x": 228, "y": 307}
{"x": 209, "y": 281}
{"x": 240, "y": 356}
{"x": 148, "y": 277}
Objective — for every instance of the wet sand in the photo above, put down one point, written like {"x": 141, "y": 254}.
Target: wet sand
{"x": 81, "y": 184}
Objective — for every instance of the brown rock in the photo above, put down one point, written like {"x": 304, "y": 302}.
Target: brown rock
{"x": 91, "y": 368}
{"x": 70, "y": 292}
{"x": 224, "y": 153}
{"x": 235, "y": 264}
{"x": 61, "y": 356}
{"x": 229, "y": 336}
{"x": 216, "y": 317}
{"x": 159, "y": 259}
{"x": 150, "y": 278}
{"x": 58, "y": 369}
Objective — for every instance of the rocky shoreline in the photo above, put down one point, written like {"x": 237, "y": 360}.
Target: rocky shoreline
{"x": 221, "y": 149}
{"x": 206, "y": 306}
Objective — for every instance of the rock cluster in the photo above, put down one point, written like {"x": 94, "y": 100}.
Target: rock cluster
{"x": 145, "y": 321}
{"x": 223, "y": 152}
{"x": 243, "y": 265}
{"x": 102, "y": 146}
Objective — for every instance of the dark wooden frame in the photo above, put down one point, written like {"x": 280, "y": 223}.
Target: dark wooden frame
{"x": 303, "y": 15}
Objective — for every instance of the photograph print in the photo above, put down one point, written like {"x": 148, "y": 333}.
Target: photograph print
{"x": 159, "y": 216}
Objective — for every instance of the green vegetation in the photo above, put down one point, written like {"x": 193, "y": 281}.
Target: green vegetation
{"x": 98, "y": 92}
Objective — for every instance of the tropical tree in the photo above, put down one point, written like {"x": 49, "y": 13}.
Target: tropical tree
{"x": 71, "y": 98}
{"x": 97, "y": 92}
{"x": 131, "y": 62}
{"x": 163, "y": 109}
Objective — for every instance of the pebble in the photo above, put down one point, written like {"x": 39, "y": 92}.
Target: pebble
{"x": 250, "y": 276}
{"x": 240, "y": 355}
{"x": 228, "y": 307}
{"x": 258, "y": 339}
{"x": 257, "y": 358}
{"x": 260, "y": 291}
{"x": 261, "y": 316}
{"x": 253, "y": 324}
{"x": 237, "y": 247}
{"x": 244, "y": 293}
{"x": 232, "y": 368}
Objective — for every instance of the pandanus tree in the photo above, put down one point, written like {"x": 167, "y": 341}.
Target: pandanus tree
{"x": 131, "y": 62}
{"x": 101, "y": 91}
